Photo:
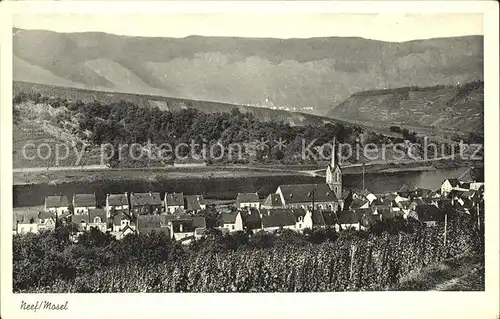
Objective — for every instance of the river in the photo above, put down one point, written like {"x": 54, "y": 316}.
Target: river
{"x": 227, "y": 188}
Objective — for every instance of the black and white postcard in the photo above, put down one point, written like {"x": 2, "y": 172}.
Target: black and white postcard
{"x": 249, "y": 158}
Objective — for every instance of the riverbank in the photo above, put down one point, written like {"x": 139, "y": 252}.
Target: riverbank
{"x": 155, "y": 174}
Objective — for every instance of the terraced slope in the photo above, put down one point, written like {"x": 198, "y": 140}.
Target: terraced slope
{"x": 455, "y": 108}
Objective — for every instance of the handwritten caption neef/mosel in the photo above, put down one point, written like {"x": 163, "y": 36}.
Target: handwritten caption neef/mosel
{"x": 43, "y": 305}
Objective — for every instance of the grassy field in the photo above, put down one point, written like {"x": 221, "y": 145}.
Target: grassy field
{"x": 464, "y": 273}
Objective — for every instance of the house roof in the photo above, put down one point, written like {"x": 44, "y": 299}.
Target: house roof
{"x": 358, "y": 202}
{"x": 348, "y": 217}
{"x": 422, "y": 192}
{"x": 298, "y": 212}
{"x": 119, "y": 217}
{"x": 272, "y": 200}
{"x": 278, "y": 218}
{"x": 404, "y": 204}
{"x": 97, "y": 212}
{"x": 46, "y": 215}
{"x": 117, "y": 200}
{"x": 247, "y": 198}
{"x": 142, "y": 199}
{"x": 199, "y": 231}
{"x": 251, "y": 218}
{"x": 229, "y": 218}
{"x": 428, "y": 213}
{"x": 56, "y": 201}
{"x": 148, "y": 221}
{"x": 317, "y": 218}
{"x": 187, "y": 226}
{"x": 84, "y": 200}
{"x": 330, "y": 218}
{"x": 454, "y": 182}
{"x": 199, "y": 222}
{"x": 194, "y": 202}
{"x": 174, "y": 199}
{"x": 78, "y": 219}
{"x": 303, "y": 193}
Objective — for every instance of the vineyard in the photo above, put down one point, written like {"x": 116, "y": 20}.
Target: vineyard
{"x": 290, "y": 262}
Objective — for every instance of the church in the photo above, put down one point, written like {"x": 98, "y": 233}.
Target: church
{"x": 327, "y": 196}
{"x": 334, "y": 174}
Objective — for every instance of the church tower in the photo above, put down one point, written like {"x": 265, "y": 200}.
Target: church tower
{"x": 334, "y": 174}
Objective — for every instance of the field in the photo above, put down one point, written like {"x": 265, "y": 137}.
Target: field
{"x": 289, "y": 262}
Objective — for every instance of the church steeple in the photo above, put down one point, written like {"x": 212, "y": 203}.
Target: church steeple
{"x": 334, "y": 154}
{"x": 333, "y": 173}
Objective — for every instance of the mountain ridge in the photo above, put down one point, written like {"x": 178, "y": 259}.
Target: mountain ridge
{"x": 313, "y": 72}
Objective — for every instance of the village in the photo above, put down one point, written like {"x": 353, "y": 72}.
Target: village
{"x": 296, "y": 207}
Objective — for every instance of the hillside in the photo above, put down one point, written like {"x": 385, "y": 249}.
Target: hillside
{"x": 459, "y": 108}
{"x": 167, "y": 103}
{"x": 315, "y": 72}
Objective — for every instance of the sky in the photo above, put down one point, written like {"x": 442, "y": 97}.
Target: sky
{"x": 385, "y": 27}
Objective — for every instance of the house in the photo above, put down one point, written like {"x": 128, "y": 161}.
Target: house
{"x": 82, "y": 203}
{"x": 182, "y": 229}
{"x": 272, "y": 201}
{"x": 247, "y": 200}
{"x": 173, "y": 201}
{"x": 199, "y": 233}
{"x": 453, "y": 184}
{"x": 122, "y": 220}
{"x": 303, "y": 196}
{"x": 194, "y": 203}
{"x": 151, "y": 223}
{"x": 329, "y": 218}
{"x": 421, "y": 192}
{"x": 79, "y": 223}
{"x": 232, "y": 221}
{"x": 26, "y": 223}
{"x": 57, "y": 204}
{"x": 303, "y": 219}
{"x": 145, "y": 203}
{"x": 370, "y": 197}
{"x": 429, "y": 214}
{"x": 359, "y": 203}
{"x": 348, "y": 219}
{"x": 47, "y": 221}
{"x": 347, "y": 198}
{"x": 252, "y": 221}
{"x": 97, "y": 219}
{"x": 281, "y": 218}
{"x": 118, "y": 202}
{"x": 477, "y": 186}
